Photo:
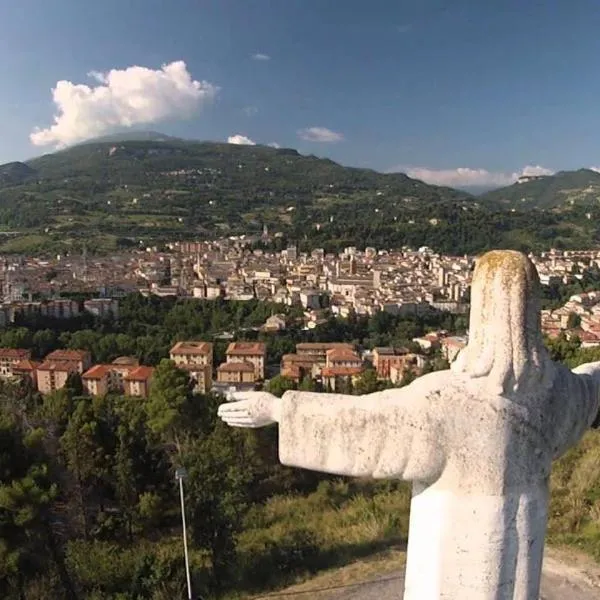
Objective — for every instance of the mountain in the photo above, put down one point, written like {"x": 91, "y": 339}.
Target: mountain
{"x": 117, "y": 193}
{"x": 14, "y": 173}
{"x": 158, "y": 190}
{"x": 132, "y": 136}
{"x": 565, "y": 189}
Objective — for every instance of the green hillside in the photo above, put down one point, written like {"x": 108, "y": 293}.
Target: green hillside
{"x": 560, "y": 191}
{"x": 174, "y": 188}
{"x": 112, "y": 194}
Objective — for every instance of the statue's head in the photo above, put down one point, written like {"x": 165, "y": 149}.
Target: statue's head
{"x": 505, "y": 346}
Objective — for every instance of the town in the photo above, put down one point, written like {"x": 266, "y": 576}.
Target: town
{"x": 408, "y": 283}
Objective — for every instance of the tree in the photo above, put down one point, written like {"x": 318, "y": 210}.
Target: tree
{"x": 27, "y": 546}
{"x": 573, "y": 321}
{"x": 86, "y": 458}
{"x": 74, "y": 385}
{"x": 279, "y": 384}
{"x": 218, "y": 492}
{"x": 166, "y": 407}
{"x": 367, "y": 383}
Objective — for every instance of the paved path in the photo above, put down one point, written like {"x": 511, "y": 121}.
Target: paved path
{"x": 560, "y": 581}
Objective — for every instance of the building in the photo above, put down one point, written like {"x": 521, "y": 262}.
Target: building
{"x": 138, "y": 381}
{"x": 238, "y": 372}
{"x": 82, "y": 359}
{"x": 319, "y": 349}
{"x": 388, "y": 362}
{"x": 342, "y": 364}
{"x": 52, "y": 375}
{"x": 254, "y": 353}
{"x": 451, "y": 346}
{"x": 26, "y": 368}
{"x": 60, "y": 308}
{"x": 333, "y": 376}
{"x": 96, "y": 381}
{"x": 298, "y": 366}
{"x": 343, "y": 358}
{"x": 119, "y": 368}
{"x": 192, "y": 353}
{"x": 102, "y": 307}
{"x": 201, "y": 375}
{"x": 9, "y": 357}
{"x": 275, "y": 323}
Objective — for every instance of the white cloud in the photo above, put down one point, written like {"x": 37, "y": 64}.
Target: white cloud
{"x": 319, "y": 134}
{"x": 532, "y": 170}
{"x": 467, "y": 177}
{"x": 274, "y": 145}
{"x": 250, "y": 111}
{"x": 597, "y": 169}
{"x": 123, "y": 98}
{"x": 260, "y": 56}
{"x": 240, "y": 140}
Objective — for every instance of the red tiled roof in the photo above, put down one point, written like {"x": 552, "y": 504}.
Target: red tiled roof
{"x": 323, "y": 346}
{"x": 342, "y": 354}
{"x": 246, "y": 348}
{"x": 126, "y": 361}
{"x": 202, "y": 348}
{"x": 141, "y": 373}
{"x": 26, "y": 365}
{"x": 299, "y": 358}
{"x": 96, "y": 372}
{"x": 341, "y": 371}
{"x": 236, "y": 367}
{"x": 63, "y": 355}
{"x": 293, "y": 372}
{"x": 57, "y": 365}
{"x": 14, "y": 353}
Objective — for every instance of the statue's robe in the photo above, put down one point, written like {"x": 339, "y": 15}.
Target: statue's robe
{"x": 479, "y": 464}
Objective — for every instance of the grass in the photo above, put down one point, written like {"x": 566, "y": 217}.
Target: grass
{"x": 24, "y": 244}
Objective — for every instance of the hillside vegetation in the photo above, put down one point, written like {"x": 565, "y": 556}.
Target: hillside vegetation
{"x": 117, "y": 194}
{"x": 559, "y": 192}
{"x": 89, "y": 506}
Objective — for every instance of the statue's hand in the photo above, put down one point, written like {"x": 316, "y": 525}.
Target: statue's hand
{"x": 250, "y": 409}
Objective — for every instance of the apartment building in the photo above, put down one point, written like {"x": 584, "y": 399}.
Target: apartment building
{"x": 9, "y": 357}
{"x": 60, "y": 308}
{"x": 254, "y": 353}
{"x": 201, "y": 375}
{"x": 392, "y": 363}
{"x": 192, "y": 353}
{"x": 26, "y": 368}
{"x": 102, "y": 307}
{"x": 52, "y": 375}
{"x": 82, "y": 359}
{"x": 138, "y": 381}
{"x": 96, "y": 381}
{"x": 242, "y": 372}
{"x": 319, "y": 350}
{"x": 341, "y": 364}
{"x": 119, "y": 369}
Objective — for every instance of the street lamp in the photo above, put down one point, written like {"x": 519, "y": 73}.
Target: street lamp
{"x": 180, "y": 475}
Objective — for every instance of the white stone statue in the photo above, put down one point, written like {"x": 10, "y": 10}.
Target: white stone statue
{"x": 477, "y": 441}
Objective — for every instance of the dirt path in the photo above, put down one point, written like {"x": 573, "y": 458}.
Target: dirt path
{"x": 567, "y": 575}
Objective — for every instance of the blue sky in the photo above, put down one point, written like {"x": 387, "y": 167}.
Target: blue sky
{"x": 461, "y": 92}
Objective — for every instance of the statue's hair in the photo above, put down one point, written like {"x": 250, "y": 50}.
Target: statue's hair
{"x": 505, "y": 345}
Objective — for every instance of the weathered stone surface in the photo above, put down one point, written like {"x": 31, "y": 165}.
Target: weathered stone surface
{"x": 477, "y": 441}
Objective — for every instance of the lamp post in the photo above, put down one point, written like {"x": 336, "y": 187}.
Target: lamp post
{"x": 180, "y": 475}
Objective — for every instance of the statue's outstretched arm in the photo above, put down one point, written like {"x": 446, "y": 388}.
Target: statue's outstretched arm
{"x": 385, "y": 434}
{"x": 592, "y": 369}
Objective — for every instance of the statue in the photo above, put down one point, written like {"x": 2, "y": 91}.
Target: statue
{"x": 477, "y": 441}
